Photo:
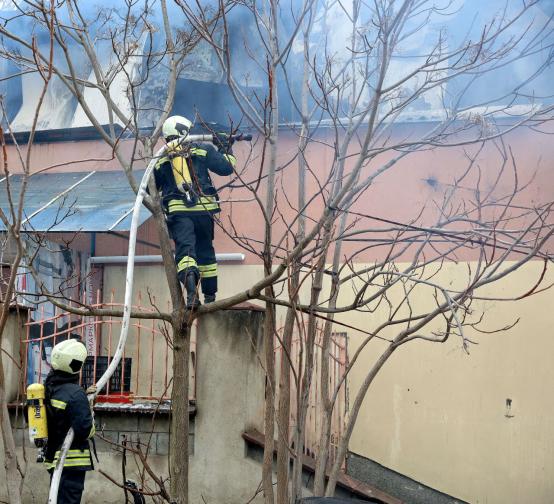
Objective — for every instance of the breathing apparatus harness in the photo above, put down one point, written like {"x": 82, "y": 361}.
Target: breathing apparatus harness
{"x": 185, "y": 176}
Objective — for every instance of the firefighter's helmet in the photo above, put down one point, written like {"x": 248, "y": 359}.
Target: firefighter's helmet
{"x": 176, "y": 127}
{"x": 69, "y": 356}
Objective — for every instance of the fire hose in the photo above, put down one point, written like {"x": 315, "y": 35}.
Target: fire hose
{"x": 56, "y": 477}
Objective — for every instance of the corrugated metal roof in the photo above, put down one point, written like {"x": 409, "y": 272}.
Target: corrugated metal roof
{"x": 95, "y": 201}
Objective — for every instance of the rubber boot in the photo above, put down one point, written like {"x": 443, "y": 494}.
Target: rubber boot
{"x": 209, "y": 298}
{"x": 191, "y": 286}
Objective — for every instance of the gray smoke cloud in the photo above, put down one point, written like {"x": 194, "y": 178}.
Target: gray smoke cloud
{"x": 203, "y": 89}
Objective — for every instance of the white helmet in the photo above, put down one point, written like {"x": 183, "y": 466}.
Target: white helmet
{"x": 69, "y": 356}
{"x": 176, "y": 127}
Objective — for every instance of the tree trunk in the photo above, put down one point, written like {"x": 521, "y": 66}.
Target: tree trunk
{"x": 306, "y": 382}
{"x": 322, "y": 455}
{"x": 325, "y": 435}
{"x": 179, "y": 449}
{"x": 269, "y": 420}
{"x": 269, "y": 417}
{"x": 14, "y": 472}
{"x": 283, "y": 417}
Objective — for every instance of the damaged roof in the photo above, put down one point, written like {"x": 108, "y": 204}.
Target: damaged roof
{"x": 96, "y": 201}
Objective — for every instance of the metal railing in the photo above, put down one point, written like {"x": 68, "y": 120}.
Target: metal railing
{"x": 145, "y": 370}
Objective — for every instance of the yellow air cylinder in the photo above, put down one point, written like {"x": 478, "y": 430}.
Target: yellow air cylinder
{"x": 38, "y": 428}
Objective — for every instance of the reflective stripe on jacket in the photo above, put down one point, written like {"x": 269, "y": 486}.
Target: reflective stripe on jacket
{"x": 205, "y": 204}
{"x": 79, "y": 459}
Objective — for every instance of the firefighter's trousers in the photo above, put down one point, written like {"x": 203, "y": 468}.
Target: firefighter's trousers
{"x": 72, "y": 484}
{"x": 194, "y": 251}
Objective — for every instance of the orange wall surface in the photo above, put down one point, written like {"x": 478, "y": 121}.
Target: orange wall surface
{"x": 410, "y": 192}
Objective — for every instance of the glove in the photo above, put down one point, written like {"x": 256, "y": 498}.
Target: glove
{"x": 91, "y": 390}
{"x": 223, "y": 142}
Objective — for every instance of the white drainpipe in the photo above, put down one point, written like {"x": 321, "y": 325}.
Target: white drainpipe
{"x": 157, "y": 259}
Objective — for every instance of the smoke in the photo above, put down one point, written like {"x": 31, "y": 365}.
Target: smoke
{"x": 429, "y": 35}
{"x": 121, "y": 55}
{"x": 203, "y": 85}
{"x": 531, "y": 74}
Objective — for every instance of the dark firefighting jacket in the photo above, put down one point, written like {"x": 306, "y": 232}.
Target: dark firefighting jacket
{"x": 183, "y": 178}
{"x": 67, "y": 406}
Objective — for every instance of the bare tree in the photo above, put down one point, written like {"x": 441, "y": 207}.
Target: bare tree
{"x": 348, "y": 101}
{"x": 347, "y": 94}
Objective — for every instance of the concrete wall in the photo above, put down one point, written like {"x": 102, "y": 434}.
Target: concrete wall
{"x": 441, "y": 416}
{"x": 230, "y": 398}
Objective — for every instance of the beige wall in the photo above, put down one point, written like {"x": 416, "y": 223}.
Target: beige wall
{"x": 437, "y": 414}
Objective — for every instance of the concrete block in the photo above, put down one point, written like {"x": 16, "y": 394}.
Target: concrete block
{"x": 105, "y": 445}
{"x": 147, "y": 441}
{"x": 17, "y": 419}
{"x": 160, "y": 424}
{"x": 21, "y": 436}
{"x": 129, "y": 437}
{"x": 162, "y": 444}
{"x": 127, "y": 422}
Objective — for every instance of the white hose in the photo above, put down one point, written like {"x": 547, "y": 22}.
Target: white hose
{"x": 55, "y": 483}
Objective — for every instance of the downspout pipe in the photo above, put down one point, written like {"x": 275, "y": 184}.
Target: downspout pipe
{"x": 56, "y": 476}
{"x": 156, "y": 259}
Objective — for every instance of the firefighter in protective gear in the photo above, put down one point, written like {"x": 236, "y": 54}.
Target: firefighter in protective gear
{"x": 67, "y": 406}
{"x": 190, "y": 201}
